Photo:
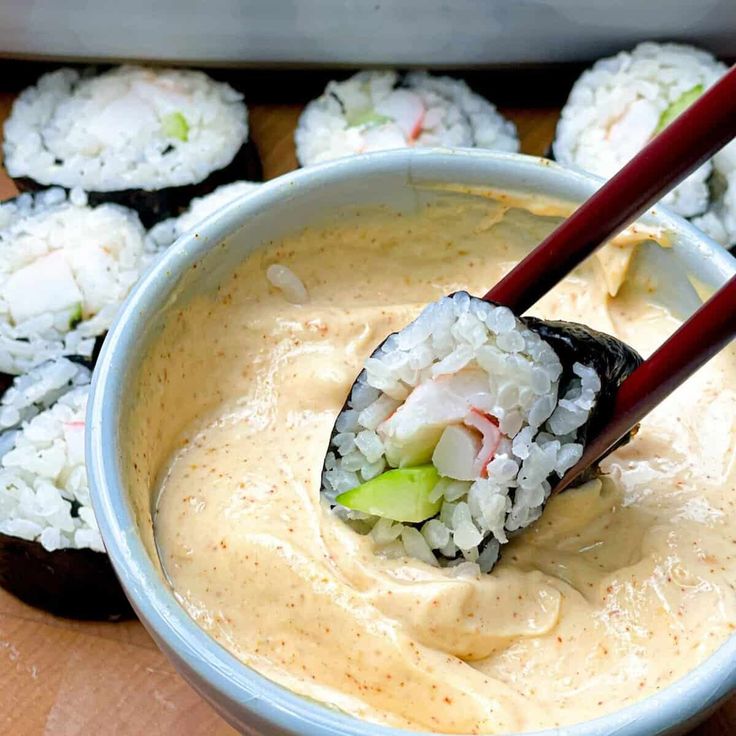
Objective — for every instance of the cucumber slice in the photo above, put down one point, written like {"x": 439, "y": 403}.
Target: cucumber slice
{"x": 175, "y": 125}
{"x": 679, "y": 105}
{"x": 75, "y": 317}
{"x": 401, "y": 494}
{"x": 366, "y": 117}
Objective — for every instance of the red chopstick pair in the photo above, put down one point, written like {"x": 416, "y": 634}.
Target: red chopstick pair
{"x": 690, "y": 140}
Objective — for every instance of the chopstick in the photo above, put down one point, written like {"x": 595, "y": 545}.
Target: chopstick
{"x": 686, "y": 143}
{"x": 691, "y": 139}
{"x": 694, "y": 343}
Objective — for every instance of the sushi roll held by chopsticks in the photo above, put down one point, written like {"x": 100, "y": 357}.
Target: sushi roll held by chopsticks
{"x": 462, "y": 424}
{"x": 150, "y": 139}
{"x": 455, "y": 430}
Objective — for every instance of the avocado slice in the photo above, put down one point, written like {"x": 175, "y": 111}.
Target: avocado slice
{"x": 75, "y": 317}
{"x": 401, "y": 494}
{"x": 175, "y": 125}
{"x": 366, "y": 117}
{"x": 679, "y": 105}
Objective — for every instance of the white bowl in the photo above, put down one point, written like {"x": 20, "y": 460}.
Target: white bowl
{"x": 193, "y": 264}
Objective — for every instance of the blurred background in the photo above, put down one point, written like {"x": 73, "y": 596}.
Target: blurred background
{"x": 446, "y": 33}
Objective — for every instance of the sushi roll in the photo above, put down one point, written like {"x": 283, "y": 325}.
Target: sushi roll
{"x": 51, "y": 551}
{"x": 65, "y": 267}
{"x": 35, "y": 391}
{"x": 166, "y": 232}
{"x": 149, "y": 139}
{"x": 459, "y": 425}
{"x": 622, "y": 102}
{"x": 719, "y": 221}
{"x": 380, "y": 110}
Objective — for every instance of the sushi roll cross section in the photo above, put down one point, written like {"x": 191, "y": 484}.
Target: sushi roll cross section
{"x": 459, "y": 424}
{"x": 381, "y": 110}
{"x": 624, "y": 101}
{"x": 147, "y": 138}
{"x": 65, "y": 267}
{"x": 51, "y": 551}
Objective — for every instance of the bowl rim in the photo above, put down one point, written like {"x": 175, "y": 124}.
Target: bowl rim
{"x": 218, "y": 674}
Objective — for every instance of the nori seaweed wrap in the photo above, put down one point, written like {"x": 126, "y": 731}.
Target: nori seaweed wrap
{"x": 74, "y": 583}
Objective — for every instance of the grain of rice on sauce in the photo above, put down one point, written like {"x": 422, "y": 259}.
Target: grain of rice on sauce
{"x": 376, "y": 111}
{"x": 65, "y": 268}
{"x": 44, "y": 493}
{"x": 288, "y": 283}
{"x": 462, "y": 365}
{"x": 129, "y": 127}
{"x": 622, "y": 102}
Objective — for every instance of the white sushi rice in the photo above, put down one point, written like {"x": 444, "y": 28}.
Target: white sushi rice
{"x": 44, "y": 494}
{"x": 64, "y": 270}
{"x": 288, "y": 283}
{"x": 720, "y": 220}
{"x": 617, "y": 106}
{"x": 131, "y": 127}
{"x": 378, "y": 110}
{"x": 461, "y": 357}
{"x": 39, "y": 389}
{"x": 164, "y": 233}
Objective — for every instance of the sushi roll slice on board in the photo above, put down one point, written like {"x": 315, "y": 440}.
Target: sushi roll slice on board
{"x": 164, "y": 233}
{"x": 720, "y": 219}
{"x": 622, "y": 102}
{"x": 149, "y": 139}
{"x": 65, "y": 267}
{"x": 380, "y": 110}
{"x": 458, "y": 426}
{"x": 51, "y": 551}
{"x": 33, "y": 392}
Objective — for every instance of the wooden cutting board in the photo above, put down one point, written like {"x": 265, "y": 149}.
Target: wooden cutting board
{"x": 63, "y": 678}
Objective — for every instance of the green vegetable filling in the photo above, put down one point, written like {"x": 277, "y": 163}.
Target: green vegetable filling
{"x": 175, "y": 125}
{"x": 75, "y": 317}
{"x": 401, "y": 495}
{"x": 366, "y": 117}
{"x": 679, "y": 105}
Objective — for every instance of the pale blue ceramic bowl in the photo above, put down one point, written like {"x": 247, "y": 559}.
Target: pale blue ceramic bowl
{"x": 247, "y": 700}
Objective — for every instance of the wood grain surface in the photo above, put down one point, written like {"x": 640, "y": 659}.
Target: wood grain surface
{"x": 64, "y": 678}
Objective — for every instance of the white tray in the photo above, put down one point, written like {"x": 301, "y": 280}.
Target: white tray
{"x": 357, "y": 32}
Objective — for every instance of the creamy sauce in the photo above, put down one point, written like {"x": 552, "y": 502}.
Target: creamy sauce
{"x": 621, "y": 587}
